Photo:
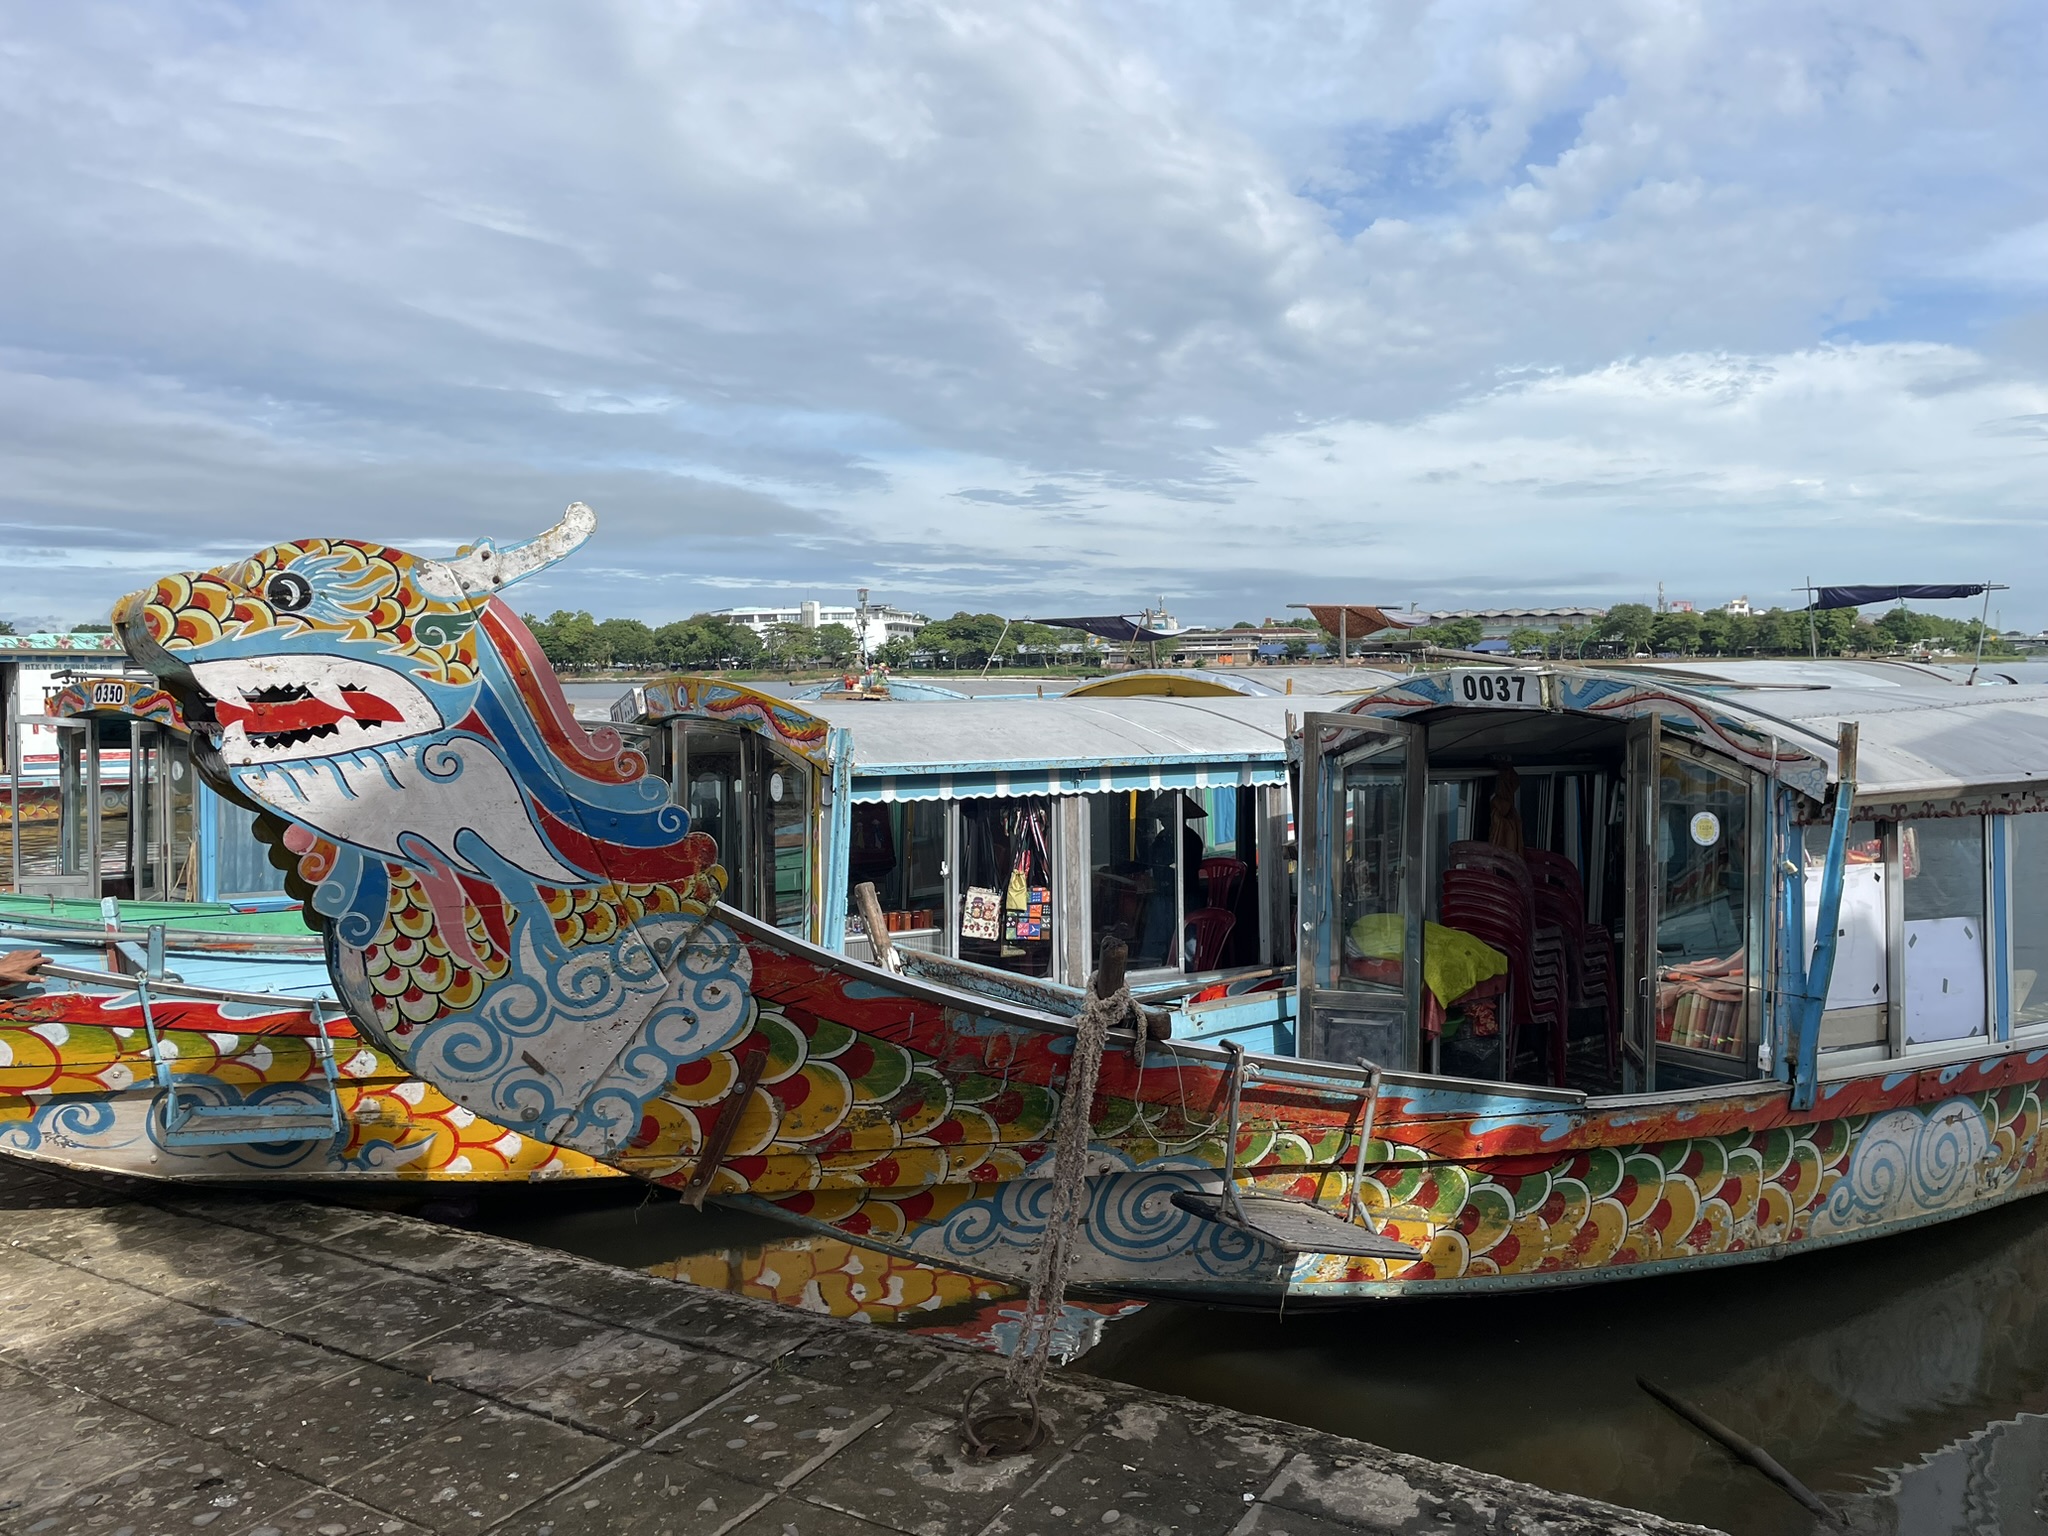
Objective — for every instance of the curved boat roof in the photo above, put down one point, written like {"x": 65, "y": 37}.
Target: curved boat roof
{"x": 1223, "y": 682}
{"x": 961, "y": 748}
{"x": 1922, "y": 732}
{"x": 889, "y": 736}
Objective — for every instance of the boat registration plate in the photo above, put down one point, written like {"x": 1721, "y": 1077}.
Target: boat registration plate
{"x": 1496, "y": 688}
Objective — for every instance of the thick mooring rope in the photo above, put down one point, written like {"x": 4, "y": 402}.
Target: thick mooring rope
{"x": 1045, "y": 1305}
{"x": 1010, "y": 1434}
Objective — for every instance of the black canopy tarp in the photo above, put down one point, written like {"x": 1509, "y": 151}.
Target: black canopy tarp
{"x": 1109, "y": 627}
{"x": 1856, "y": 597}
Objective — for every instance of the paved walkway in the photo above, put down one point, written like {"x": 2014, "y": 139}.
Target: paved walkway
{"x": 261, "y": 1367}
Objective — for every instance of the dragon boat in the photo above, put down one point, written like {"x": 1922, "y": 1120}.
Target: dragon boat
{"x": 183, "y": 1026}
{"x": 1764, "y": 945}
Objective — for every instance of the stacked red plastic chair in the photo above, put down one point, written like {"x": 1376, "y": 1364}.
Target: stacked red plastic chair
{"x": 1488, "y": 893}
{"x": 1561, "y": 893}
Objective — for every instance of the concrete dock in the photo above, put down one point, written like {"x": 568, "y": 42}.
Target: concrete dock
{"x": 245, "y": 1365}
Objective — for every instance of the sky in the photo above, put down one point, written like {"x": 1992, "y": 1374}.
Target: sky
{"x": 1033, "y": 308}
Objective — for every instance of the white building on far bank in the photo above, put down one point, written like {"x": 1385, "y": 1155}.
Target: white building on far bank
{"x": 884, "y": 622}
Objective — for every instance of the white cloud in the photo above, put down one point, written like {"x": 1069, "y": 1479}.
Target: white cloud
{"x": 1002, "y": 303}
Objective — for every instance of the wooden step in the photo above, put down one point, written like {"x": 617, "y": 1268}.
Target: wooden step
{"x": 1291, "y": 1225}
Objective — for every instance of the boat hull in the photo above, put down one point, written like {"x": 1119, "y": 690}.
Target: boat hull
{"x": 1599, "y": 1211}
{"x": 77, "y": 1092}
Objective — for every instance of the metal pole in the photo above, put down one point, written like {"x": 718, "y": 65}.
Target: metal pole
{"x": 1344, "y": 633}
{"x": 1981, "y": 622}
{"x": 14, "y": 791}
{"x": 990, "y": 661}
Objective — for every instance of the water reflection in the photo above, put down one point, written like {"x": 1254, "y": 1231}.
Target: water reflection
{"x": 767, "y": 1260}
{"x": 824, "y": 1274}
{"x": 1872, "y": 1372}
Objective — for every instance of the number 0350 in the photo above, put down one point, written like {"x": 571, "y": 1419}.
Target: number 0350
{"x": 1488, "y": 688}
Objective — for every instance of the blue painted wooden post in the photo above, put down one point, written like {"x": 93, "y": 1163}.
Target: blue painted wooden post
{"x": 1827, "y": 926}
{"x": 206, "y": 820}
{"x": 1999, "y": 830}
{"x": 838, "y": 838}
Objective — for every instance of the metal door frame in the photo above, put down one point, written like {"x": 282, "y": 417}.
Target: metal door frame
{"x": 1319, "y": 987}
{"x": 1641, "y": 900}
{"x": 60, "y": 885}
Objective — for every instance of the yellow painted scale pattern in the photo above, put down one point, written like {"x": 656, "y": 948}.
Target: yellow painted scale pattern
{"x": 395, "y": 1125}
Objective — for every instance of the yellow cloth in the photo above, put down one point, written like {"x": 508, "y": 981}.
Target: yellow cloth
{"x": 1453, "y": 962}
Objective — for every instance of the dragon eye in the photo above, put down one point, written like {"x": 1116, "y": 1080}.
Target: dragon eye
{"x": 289, "y": 592}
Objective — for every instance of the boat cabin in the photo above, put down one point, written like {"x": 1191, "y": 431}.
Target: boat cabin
{"x": 1010, "y": 834}
{"x": 1611, "y": 881}
{"x": 133, "y": 820}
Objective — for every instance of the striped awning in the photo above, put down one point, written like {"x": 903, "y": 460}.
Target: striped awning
{"x": 975, "y": 784}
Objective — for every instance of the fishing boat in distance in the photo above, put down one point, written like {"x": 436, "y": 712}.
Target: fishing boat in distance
{"x": 1763, "y": 945}
{"x": 183, "y": 1026}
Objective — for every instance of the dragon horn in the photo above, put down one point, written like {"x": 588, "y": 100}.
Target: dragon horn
{"x": 482, "y": 568}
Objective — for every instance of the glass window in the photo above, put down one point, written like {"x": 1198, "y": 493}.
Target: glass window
{"x": 1941, "y": 863}
{"x": 1135, "y": 872}
{"x": 241, "y": 864}
{"x": 709, "y": 787}
{"x": 786, "y": 810}
{"x": 1215, "y": 813}
{"x": 1224, "y": 878}
{"x": 1702, "y": 854}
{"x": 756, "y": 803}
{"x": 1369, "y": 839}
{"x": 184, "y": 834}
{"x": 901, "y": 849}
{"x": 78, "y": 801}
{"x": 1006, "y": 914}
{"x": 1859, "y": 987}
{"x": 2029, "y": 864}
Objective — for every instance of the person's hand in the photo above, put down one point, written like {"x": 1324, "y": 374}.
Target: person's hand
{"x": 19, "y": 966}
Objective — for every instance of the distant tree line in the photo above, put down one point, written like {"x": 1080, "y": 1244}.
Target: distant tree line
{"x": 1631, "y": 628}
{"x": 576, "y": 642}
{"x": 705, "y": 642}
{"x": 1628, "y": 629}
{"x": 973, "y": 639}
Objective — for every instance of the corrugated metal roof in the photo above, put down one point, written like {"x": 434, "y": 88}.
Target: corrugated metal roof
{"x": 946, "y": 734}
{"x": 1922, "y": 732}
{"x": 1251, "y": 681}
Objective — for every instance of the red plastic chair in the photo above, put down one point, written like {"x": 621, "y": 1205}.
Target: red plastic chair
{"x": 1561, "y": 896}
{"x": 1220, "y": 877}
{"x": 1208, "y": 930}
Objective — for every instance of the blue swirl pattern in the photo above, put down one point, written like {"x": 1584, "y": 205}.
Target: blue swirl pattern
{"x": 1910, "y": 1162}
{"x": 1131, "y": 1225}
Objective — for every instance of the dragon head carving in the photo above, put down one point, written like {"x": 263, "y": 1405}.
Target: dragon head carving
{"x": 512, "y": 904}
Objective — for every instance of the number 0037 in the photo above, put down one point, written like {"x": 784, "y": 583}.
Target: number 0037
{"x": 1486, "y": 688}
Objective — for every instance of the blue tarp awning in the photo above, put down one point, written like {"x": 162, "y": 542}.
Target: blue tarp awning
{"x": 1856, "y": 597}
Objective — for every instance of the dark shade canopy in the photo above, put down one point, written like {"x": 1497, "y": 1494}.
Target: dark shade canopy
{"x": 1856, "y": 597}
{"x": 1110, "y": 627}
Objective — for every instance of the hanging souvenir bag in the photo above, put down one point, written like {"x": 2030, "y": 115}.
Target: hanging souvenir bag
{"x": 981, "y": 913}
{"x": 1018, "y": 897}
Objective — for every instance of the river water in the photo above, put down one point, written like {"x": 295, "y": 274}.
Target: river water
{"x": 1906, "y": 1380}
